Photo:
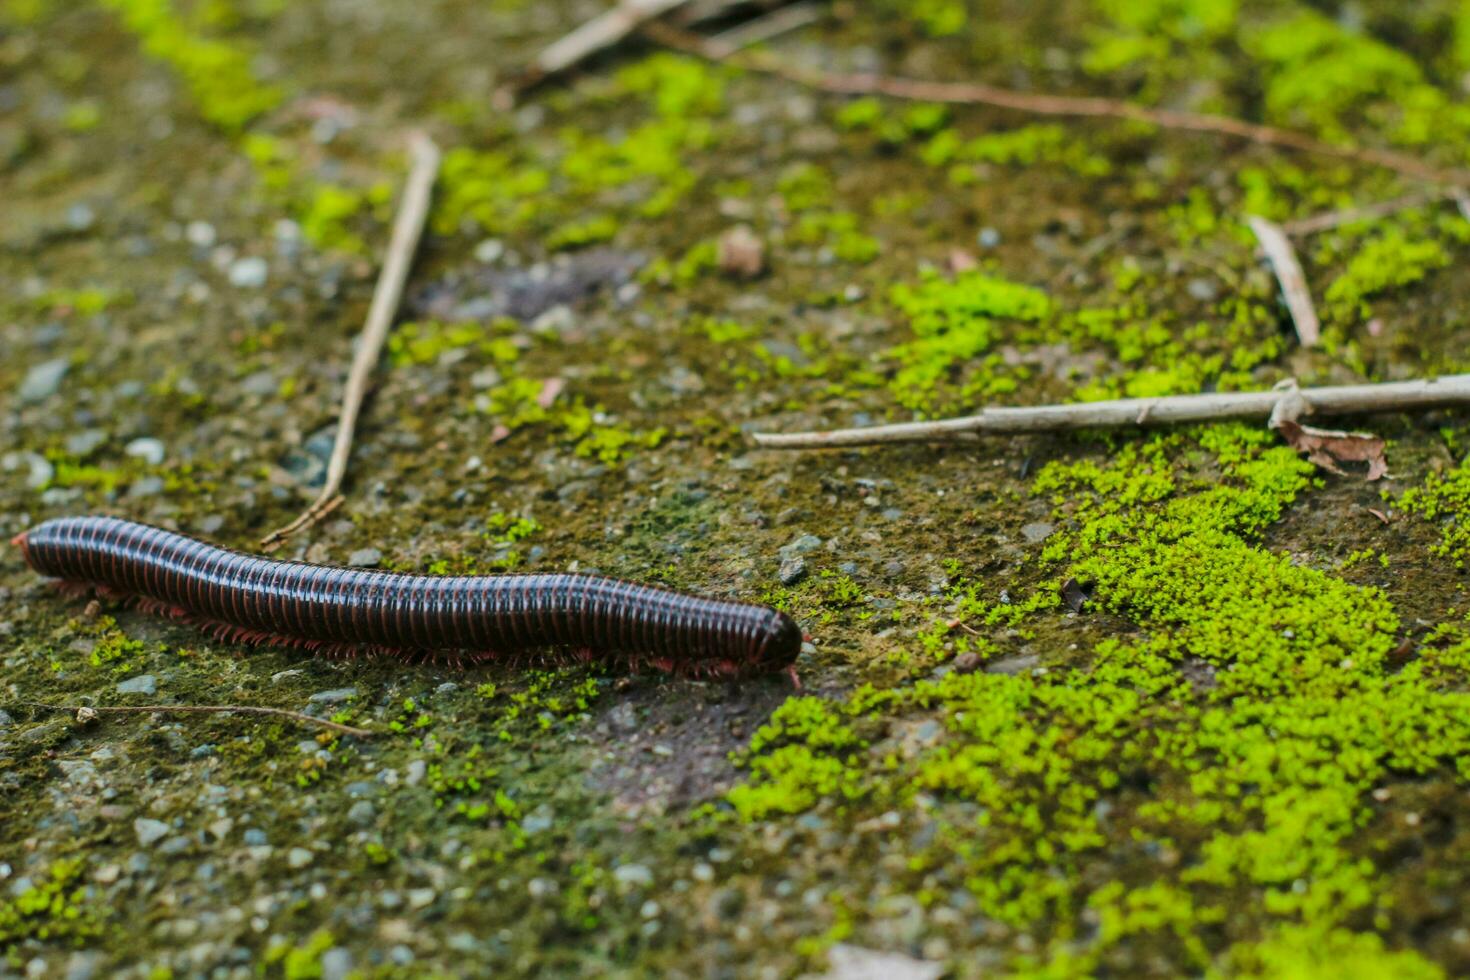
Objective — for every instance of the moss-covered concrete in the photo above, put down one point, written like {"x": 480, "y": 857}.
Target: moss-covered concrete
{"x": 1138, "y": 705}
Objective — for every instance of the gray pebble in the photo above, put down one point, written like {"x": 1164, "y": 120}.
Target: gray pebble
{"x": 365, "y": 557}
{"x": 361, "y": 813}
{"x": 142, "y": 684}
{"x": 1037, "y": 532}
{"x": 334, "y": 696}
{"x": 148, "y": 449}
{"x": 1013, "y": 665}
{"x": 988, "y": 238}
{"x": 86, "y": 442}
{"x": 793, "y": 570}
{"x": 149, "y": 831}
{"x": 82, "y": 965}
{"x": 489, "y": 250}
{"x": 1202, "y": 290}
{"x": 633, "y": 876}
{"x": 43, "y": 380}
{"x": 80, "y": 217}
{"x": 199, "y": 233}
{"x": 336, "y": 964}
{"x": 299, "y": 857}
{"x": 249, "y": 272}
{"x": 254, "y": 837}
{"x": 5, "y": 719}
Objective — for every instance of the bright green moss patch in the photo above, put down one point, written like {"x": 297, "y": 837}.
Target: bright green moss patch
{"x": 1303, "y": 953}
{"x": 1445, "y": 499}
{"x": 54, "y": 907}
{"x": 1320, "y": 73}
{"x": 1027, "y": 146}
{"x": 1384, "y": 264}
{"x": 303, "y": 962}
{"x": 1227, "y": 747}
{"x": 954, "y": 322}
{"x": 427, "y": 342}
{"x": 217, "y": 74}
{"x": 580, "y": 187}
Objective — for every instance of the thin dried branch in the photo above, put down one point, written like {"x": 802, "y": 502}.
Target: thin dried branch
{"x": 772, "y": 25}
{"x": 1035, "y": 103}
{"x": 587, "y": 39}
{"x": 1395, "y": 396}
{"x": 408, "y": 228}
{"x": 85, "y": 711}
{"x": 1366, "y": 212}
{"x": 1288, "y": 269}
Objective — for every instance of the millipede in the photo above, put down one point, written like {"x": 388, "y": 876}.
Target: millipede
{"x": 454, "y": 618}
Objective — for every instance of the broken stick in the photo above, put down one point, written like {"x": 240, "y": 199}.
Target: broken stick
{"x": 1289, "y": 274}
{"x": 408, "y": 227}
{"x": 1393, "y": 396}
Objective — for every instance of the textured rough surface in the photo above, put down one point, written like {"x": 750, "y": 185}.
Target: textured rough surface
{"x": 1138, "y": 705}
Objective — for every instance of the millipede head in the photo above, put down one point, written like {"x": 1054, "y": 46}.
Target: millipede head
{"x": 780, "y": 645}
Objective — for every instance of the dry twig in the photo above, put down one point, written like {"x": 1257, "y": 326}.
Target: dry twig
{"x": 1366, "y": 212}
{"x": 771, "y": 25}
{"x": 587, "y": 39}
{"x": 1422, "y": 394}
{"x": 1036, "y": 103}
{"x": 408, "y": 227}
{"x": 82, "y": 712}
{"x": 1289, "y": 273}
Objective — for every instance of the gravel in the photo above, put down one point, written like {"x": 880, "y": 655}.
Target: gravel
{"x": 142, "y": 684}
{"x": 249, "y": 273}
{"x": 43, "y": 380}
{"x": 150, "y": 831}
{"x": 148, "y": 449}
{"x": 335, "y": 696}
{"x": 1037, "y": 532}
{"x": 793, "y": 570}
{"x": 365, "y": 557}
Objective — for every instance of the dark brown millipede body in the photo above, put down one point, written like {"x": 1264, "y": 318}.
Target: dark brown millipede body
{"x": 464, "y": 617}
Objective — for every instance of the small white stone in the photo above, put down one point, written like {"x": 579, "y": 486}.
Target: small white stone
{"x": 250, "y": 272}
{"x": 200, "y": 233}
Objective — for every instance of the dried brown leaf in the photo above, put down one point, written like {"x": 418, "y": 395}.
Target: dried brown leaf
{"x": 1330, "y": 448}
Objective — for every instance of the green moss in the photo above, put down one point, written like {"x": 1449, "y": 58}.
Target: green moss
{"x": 1321, "y": 74}
{"x": 86, "y": 301}
{"x": 1259, "y": 782}
{"x": 1304, "y": 953}
{"x": 954, "y": 322}
{"x": 428, "y": 341}
{"x": 1388, "y": 262}
{"x": 217, "y": 74}
{"x": 54, "y": 908}
{"x": 1027, "y": 146}
{"x": 837, "y": 230}
{"x": 1445, "y": 500}
{"x": 303, "y": 962}
{"x": 804, "y": 186}
{"x": 582, "y": 232}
